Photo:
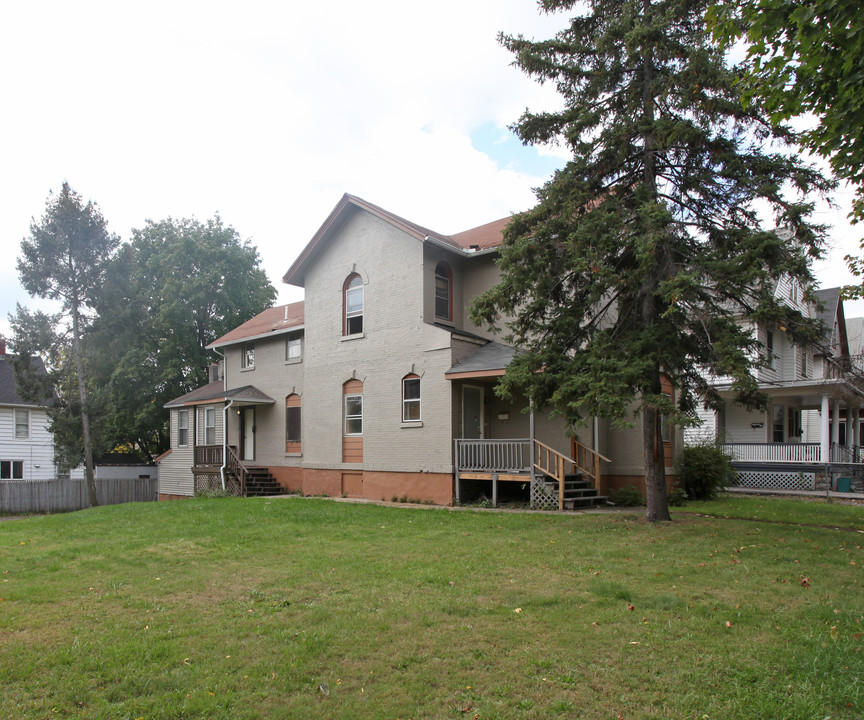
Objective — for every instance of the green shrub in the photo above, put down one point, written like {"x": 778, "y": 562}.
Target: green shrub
{"x": 628, "y": 496}
{"x": 677, "y": 497}
{"x": 703, "y": 470}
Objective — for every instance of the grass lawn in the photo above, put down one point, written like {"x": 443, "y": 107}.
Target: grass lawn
{"x": 309, "y": 608}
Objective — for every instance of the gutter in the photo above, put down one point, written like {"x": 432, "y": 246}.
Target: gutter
{"x": 458, "y": 250}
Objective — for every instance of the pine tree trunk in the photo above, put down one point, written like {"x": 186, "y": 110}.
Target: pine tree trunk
{"x": 85, "y": 414}
{"x": 655, "y": 466}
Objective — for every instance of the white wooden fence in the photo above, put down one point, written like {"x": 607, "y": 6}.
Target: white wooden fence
{"x": 45, "y": 496}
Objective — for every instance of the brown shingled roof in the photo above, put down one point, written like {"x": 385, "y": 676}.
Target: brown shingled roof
{"x": 484, "y": 237}
{"x": 275, "y": 319}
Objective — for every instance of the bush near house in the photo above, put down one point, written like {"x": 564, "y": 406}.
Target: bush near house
{"x": 703, "y": 470}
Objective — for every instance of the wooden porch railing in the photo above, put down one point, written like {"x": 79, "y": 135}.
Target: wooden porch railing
{"x": 803, "y": 453}
{"x": 558, "y": 465}
{"x": 503, "y": 456}
{"x": 210, "y": 457}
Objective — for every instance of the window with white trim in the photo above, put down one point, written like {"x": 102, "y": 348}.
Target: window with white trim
{"x": 11, "y": 469}
{"x": 209, "y": 426}
{"x": 247, "y": 356}
{"x": 411, "y": 398}
{"x": 182, "y": 428}
{"x": 294, "y": 347}
{"x": 22, "y": 424}
{"x": 353, "y": 414}
{"x": 353, "y": 304}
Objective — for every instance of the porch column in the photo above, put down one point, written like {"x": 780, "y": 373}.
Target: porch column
{"x": 854, "y": 414}
{"x": 823, "y": 430}
{"x": 850, "y": 409}
{"x": 835, "y": 422}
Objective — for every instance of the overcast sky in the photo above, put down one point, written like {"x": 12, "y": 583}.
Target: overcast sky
{"x": 267, "y": 112}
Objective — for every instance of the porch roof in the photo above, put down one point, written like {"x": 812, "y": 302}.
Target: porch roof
{"x": 807, "y": 392}
{"x": 489, "y": 360}
{"x": 214, "y": 392}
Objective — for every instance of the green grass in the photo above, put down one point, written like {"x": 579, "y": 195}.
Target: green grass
{"x": 298, "y": 608}
{"x": 792, "y": 510}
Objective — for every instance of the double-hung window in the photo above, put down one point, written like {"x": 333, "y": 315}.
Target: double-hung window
{"x": 353, "y": 414}
{"x": 22, "y": 424}
{"x": 443, "y": 292}
{"x": 182, "y": 428}
{"x": 209, "y": 426}
{"x": 353, "y": 302}
{"x": 410, "y": 398}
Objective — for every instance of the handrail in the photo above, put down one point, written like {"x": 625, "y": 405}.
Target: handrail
{"x": 235, "y": 465}
{"x": 585, "y": 460}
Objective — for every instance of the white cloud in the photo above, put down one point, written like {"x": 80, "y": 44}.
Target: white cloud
{"x": 264, "y": 111}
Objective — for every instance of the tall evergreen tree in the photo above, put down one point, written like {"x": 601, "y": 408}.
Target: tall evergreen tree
{"x": 64, "y": 259}
{"x": 646, "y": 254}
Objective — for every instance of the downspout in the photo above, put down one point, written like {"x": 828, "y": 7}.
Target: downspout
{"x": 224, "y": 421}
{"x": 225, "y": 441}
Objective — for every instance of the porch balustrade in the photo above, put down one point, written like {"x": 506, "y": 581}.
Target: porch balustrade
{"x": 208, "y": 456}
{"x": 803, "y": 453}
{"x": 502, "y": 456}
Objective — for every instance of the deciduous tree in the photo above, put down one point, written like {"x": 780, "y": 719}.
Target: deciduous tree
{"x": 645, "y": 255}
{"x": 807, "y": 57}
{"x": 179, "y": 285}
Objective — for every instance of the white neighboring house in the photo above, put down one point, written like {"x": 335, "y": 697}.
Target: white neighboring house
{"x": 26, "y": 444}
{"x": 812, "y": 393}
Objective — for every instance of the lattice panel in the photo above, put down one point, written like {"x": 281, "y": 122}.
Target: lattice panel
{"x": 212, "y": 483}
{"x": 775, "y": 480}
{"x": 543, "y": 496}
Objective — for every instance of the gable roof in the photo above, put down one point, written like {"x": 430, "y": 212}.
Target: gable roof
{"x": 272, "y": 321}
{"x": 8, "y": 389}
{"x": 484, "y": 237}
{"x": 831, "y": 313}
{"x": 215, "y": 392}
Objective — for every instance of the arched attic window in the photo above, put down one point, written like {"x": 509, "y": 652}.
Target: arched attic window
{"x": 352, "y": 302}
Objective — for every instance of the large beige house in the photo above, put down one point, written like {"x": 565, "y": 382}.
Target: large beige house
{"x": 378, "y": 385}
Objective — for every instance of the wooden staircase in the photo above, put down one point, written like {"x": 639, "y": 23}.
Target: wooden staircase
{"x": 579, "y": 491}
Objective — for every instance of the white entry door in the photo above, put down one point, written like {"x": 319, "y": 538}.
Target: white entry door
{"x": 247, "y": 433}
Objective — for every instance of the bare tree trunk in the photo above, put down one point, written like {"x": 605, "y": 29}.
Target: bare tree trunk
{"x": 85, "y": 413}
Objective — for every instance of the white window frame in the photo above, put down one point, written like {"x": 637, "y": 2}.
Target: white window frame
{"x": 354, "y": 417}
{"x": 182, "y": 428}
{"x": 19, "y": 424}
{"x": 409, "y": 403}
{"x": 209, "y": 426}
{"x": 294, "y": 347}
{"x": 247, "y": 356}
{"x": 8, "y": 472}
{"x": 353, "y": 317}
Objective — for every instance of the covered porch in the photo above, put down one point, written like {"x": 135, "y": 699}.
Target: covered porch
{"x": 501, "y": 442}
{"x": 809, "y": 437}
{"x": 230, "y": 467}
